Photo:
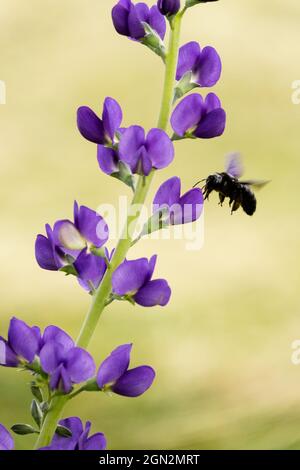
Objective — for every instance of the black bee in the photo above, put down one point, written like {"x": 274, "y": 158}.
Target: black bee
{"x": 227, "y": 184}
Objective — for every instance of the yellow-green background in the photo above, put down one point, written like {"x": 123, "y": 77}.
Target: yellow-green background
{"x": 222, "y": 347}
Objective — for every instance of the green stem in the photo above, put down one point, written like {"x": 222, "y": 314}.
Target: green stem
{"x": 102, "y": 293}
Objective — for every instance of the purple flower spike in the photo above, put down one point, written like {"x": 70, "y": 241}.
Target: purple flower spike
{"x": 179, "y": 209}
{"x": 22, "y": 344}
{"x": 202, "y": 119}
{"x": 96, "y": 130}
{"x": 143, "y": 153}
{"x": 168, "y": 7}
{"x": 79, "y": 439}
{"x": 134, "y": 279}
{"x": 66, "y": 364}
{"x": 6, "y": 441}
{"x": 113, "y": 374}
{"x": 128, "y": 18}
{"x": 205, "y": 64}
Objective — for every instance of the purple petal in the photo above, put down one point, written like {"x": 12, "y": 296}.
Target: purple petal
{"x": 53, "y": 333}
{"x": 68, "y": 443}
{"x": 145, "y": 164}
{"x": 90, "y": 269}
{"x": 92, "y": 226}
{"x": 90, "y": 125}
{"x": 107, "y": 159}
{"x": 160, "y": 148}
{"x": 52, "y": 355}
{"x": 6, "y": 441}
{"x": 80, "y": 365}
{"x": 119, "y": 15}
{"x": 187, "y": 114}
{"x": 151, "y": 267}
{"x": 188, "y": 209}
{"x": 187, "y": 58}
{"x": 134, "y": 382}
{"x": 95, "y": 442}
{"x": 114, "y": 366}
{"x": 156, "y": 292}
{"x": 7, "y": 357}
{"x": 168, "y": 193}
{"x": 60, "y": 380}
{"x": 211, "y": 102}
{"x": 136, "y": 29}
{"x": 212, "y": 125}
{"x": 142, "y": 11}
{"x": 130, "y": 276}
{"x": 157, "y": 21}
{"x": 130, "y": 143}
{"x": 68, "y": 236}
{"x": 44, "y": 254}
{"x": 22, "y": 339}
{"x": 208, "y": 68}
{"x": 112, "y": 117}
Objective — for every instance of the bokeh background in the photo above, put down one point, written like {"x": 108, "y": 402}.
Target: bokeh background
{"x": 222, "y": 347}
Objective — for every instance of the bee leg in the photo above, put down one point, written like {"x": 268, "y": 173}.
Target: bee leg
{"x": 222, "y": 198}
{"x": 236, "y": 204}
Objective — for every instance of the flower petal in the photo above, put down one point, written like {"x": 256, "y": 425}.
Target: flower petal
{"x": 107, "y": 159}
{"x": 90, "y": 269}
{"x": 80, "y": 365}
{"x": 92, "y": 226}
{"x": 157, "y": 21}
{"x": 52, "y": 355}
{"x": 160, "y": 148}
{"x": 7, "y": 357}
{"x": 74, "y": 424}
{"x": 90, "y": 125}
{"x": 189, "y": 208}
{"x": 136, "y": 29}
{"x": 212, "y": 125}
{"x": 187, "y": 58}
{"x": 44, "y": 254}
{"x": 119, "y": 15}
{"x": 112, "y": 117}
{"x": 114, "y": 366}
{"x": 53, "y": 333}
{"x": 22, "y": 339}
{"x": 208, "y": 68}
{"x": 212, "y": 101}
{"x": 130, "y": 276}
{"x": 66, "y": 235}
{"x": 168, "y": 193}
{"x": 60, "y": 380}
{"x": 95, "y": 442}
{"x": 156, "y": 292}
{"x": 131, "y": 141}
{"x": 187, "y": 114}
{"x": 134, "y": 382}
{"x": 6, "y": 441}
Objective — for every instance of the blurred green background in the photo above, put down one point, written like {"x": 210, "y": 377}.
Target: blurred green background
{"x": 222, "y": 347}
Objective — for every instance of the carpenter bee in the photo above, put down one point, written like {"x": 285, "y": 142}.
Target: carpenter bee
{"x": 227, "y": 184}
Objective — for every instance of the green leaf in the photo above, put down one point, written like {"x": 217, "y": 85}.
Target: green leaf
{"x": 184, "y": 85}
{"x": 124, "y": 174}
{"x": 69, "y": 270}
{"x": 23, "y": 429}
{"x": 63, "y": 431}
{"x": 36, "y": 413}
{"x": 91, "y": 386}
{"x": 36, "y": 391}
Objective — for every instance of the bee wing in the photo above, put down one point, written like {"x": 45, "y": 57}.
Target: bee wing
{"x": 256, "y": 184}
{"x": 234, "y": 165}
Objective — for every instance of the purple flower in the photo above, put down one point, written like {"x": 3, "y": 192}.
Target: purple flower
{"x": 21, "y": 346}
{"x": 100, "y": 131}
{"x": 205, "y": 64}
{"x": 6, "y": 441}
{"x": 90, "y": 270}
{"x": 79, "y": 439}
{"x": 49, "y": 255}
{"x": 142, "y": 153}
{"x": 63, "y": 361}
{"x": 179, "y": 209}
{"x": 168, "y": 7}
{"x": 128, "y": 19}
{"x": 199, "y": 118}
{"x": 134, "y": 279}
{"x": 113, "y": 374}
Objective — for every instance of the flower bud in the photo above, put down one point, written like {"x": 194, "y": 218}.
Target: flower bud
{"x": 168, "y": 7}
